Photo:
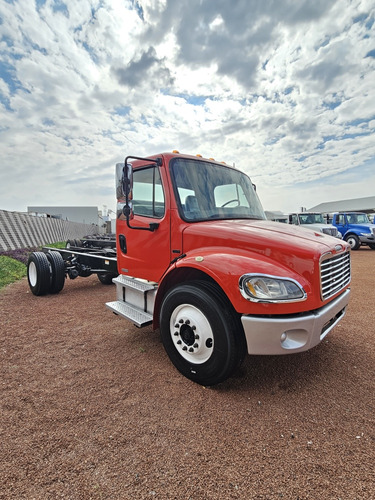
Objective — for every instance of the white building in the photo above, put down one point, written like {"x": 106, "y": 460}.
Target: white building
{"x": 83, "y": 215}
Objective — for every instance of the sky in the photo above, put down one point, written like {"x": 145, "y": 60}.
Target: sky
{"x": 283, "y": 89}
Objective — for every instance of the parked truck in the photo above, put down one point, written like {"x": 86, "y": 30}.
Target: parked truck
{"x": 314, "y": 221}
{"x": 47, "y": 270}
{"x": 197, "y": 259}
{"x": 355, "y": 228}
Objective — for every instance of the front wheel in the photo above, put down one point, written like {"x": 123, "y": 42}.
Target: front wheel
{"x": 353, "y": 241}
{"x": 201, "y": 332}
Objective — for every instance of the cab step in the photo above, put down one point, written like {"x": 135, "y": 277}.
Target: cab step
{"x": 133, "y": 314}
{"x": 135, "y": 299}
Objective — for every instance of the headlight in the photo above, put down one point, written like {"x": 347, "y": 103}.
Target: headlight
{"x": 264, "y": 288}
{"x": 366, "y": 234}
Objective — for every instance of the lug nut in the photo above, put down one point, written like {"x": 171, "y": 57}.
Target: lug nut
{"x": 179, "y": 342}
{"x": 184, "y": 348}
{"x": 191, "y": 349}
{"x": 181, "y": 321}
{"x": 187, "y": 322}
{"x": 196, "y": 345}
{"x": 193, "y": 327}
{"x": 177, "y": 326}
{"x": 196, "y": 337}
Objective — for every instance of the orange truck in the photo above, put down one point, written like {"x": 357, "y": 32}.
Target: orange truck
{"x": 197, "y": 259}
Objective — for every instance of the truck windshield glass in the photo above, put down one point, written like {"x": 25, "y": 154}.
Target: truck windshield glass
{"x": 210, "y": 191}
{"x": 311, "y": 219}
{"x": 357, "y": 219}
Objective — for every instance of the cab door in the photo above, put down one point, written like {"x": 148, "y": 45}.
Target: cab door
{"x": 341, "y": 223}
{"x": 141, "y": 252}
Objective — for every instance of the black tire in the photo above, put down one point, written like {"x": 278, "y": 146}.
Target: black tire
{"x": 106, "y": 278}
{"x": 38, "y": 273}
{"x": 57, "y": 271}
{"x": 372, "y": 246}
{"x": 69, "y": 244}
{"x": 84, "y": 274}
{"x": 201, "y": 332}
{"x": 353, "y": 241}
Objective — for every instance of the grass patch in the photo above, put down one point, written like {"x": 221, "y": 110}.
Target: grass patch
{"x": 11, "y": 270}
{"x": 59, "y": 244}
{"x": 13, "y": 262}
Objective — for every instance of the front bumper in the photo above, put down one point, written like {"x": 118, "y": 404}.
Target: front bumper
{"x": 293, "y": 333}
{"x": 367, "y": 239}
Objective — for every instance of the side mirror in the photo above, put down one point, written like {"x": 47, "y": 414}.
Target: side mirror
{"x": 127, "y": 181}
{"x": 127, "y": 189}
{"x": 124, "y": 189}
{"x": 119, "y": 190}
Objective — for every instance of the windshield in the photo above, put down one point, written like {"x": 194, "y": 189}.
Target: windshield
{"x": 311, "y": 219}
{"x": 210, "y": 191}
{"x": 358, "y": 219}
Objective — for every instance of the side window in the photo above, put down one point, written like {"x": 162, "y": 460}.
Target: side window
{"x": 341, "y": 220}
{"x": 148, "y": 194}
{"x": 294, "y": 219}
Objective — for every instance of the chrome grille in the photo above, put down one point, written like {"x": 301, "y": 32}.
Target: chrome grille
{"x": 329, "y": 230}
{"x": 334, "y": 274}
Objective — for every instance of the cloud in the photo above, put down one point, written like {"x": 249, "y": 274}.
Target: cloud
{"x": 147, "y": 68}
{"x": 283, "y": 89}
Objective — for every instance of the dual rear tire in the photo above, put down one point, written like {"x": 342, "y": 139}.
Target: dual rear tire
{"x": 45, "y": 272}
{"x": 106, "y": 278}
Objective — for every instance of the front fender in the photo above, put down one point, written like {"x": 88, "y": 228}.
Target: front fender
{"x": 226, "y": 266}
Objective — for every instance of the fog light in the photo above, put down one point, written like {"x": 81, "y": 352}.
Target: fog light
{"x": 294, "y": 339}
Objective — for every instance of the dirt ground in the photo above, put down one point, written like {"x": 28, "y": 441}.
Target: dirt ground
{"x": 91, "y": 408}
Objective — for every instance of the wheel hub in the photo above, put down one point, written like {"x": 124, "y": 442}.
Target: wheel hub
{"x": 187, "y": 334}
{"x": 191, "y": 334}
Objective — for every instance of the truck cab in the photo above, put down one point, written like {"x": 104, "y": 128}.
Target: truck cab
{"x": 314, "y": 221}
{"x": 197, "y": 258}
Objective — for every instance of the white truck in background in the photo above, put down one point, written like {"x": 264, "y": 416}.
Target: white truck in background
{"x": 314, "y": 221}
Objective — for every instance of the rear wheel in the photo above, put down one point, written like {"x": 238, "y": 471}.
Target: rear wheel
{"x": 353, "y": 241}
{"x": 201, "y": 332}
{"x": 57, "y": 271}
{"x": 38, "y": 273}
{"x": 106, "y": 278}
{"x": 372, "y": 246}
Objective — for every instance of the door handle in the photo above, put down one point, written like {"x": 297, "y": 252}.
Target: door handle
{"x": 122, "y": 242}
